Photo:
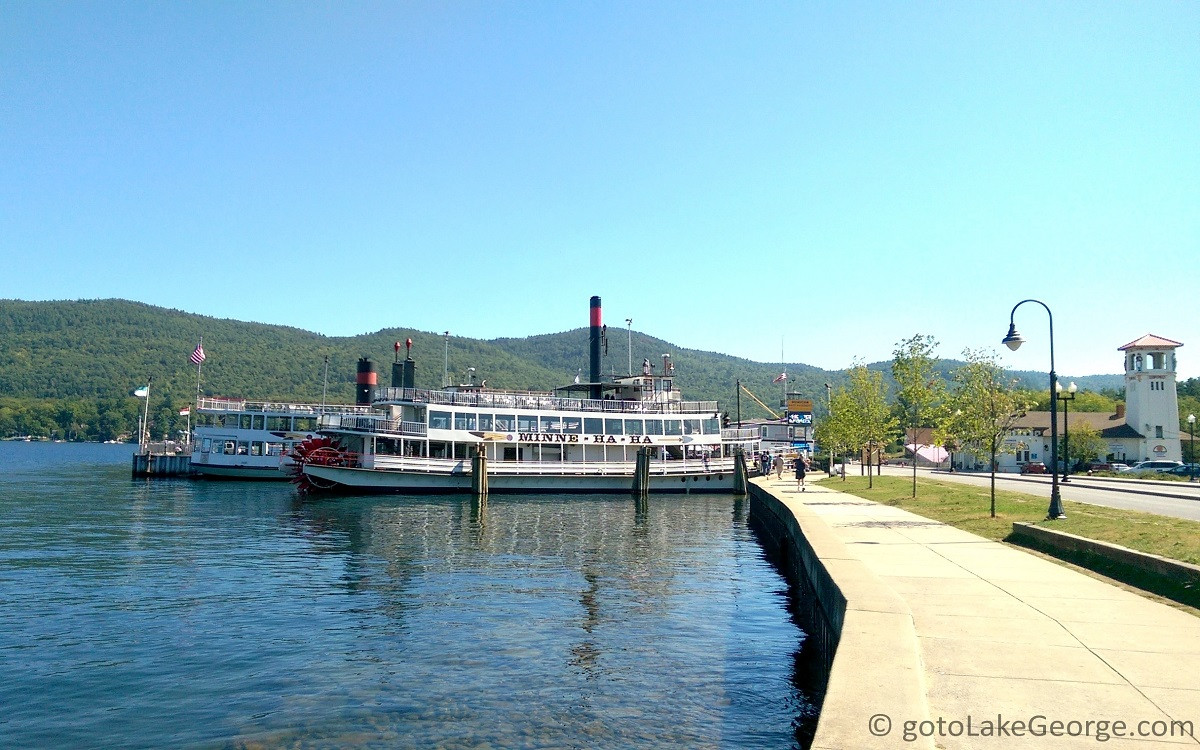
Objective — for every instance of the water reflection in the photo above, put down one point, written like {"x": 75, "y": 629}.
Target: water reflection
{"x": 210, "y": 614}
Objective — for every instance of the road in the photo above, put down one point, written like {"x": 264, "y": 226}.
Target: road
{"x": 1177, "y": 499}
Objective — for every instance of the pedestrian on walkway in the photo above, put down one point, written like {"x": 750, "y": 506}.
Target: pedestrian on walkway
{"x": 801, "y": 470}
{"x": 779, "y": 467}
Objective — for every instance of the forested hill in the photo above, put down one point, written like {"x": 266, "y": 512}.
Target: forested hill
{"x": 91, "y": 354}
{"x": 102, "y": 349}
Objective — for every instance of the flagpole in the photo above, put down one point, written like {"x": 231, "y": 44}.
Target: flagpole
{"x": 198, "y": 366}
{"x": 146, "y": 417}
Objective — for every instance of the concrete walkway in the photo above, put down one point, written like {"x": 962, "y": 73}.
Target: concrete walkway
{"x": 1002, "y": 637}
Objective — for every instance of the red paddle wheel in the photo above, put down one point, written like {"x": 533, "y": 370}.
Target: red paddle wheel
{"x": 316, "y": 451}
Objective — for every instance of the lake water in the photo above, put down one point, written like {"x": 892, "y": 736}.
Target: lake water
{"x": 177, "y": 613}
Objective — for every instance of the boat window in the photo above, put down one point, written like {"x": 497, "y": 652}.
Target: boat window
{"x": 633, "y": 427}
{"x": 464, "y": 420}
{"x": 460, "y": 450}
{"x": 439, "y": 420}
{"x": 526, "y": 423}
{"x": 510, "y": 453}
{"x": 244, "y": 422}
{"x": 280, "y": 424}
{"x": 256, "y": 448}
{"x": 206, "y": 445}
{"x": 572, "y": 426}
{"x": 712, "y": 427}
{"x": 305, "y": 424}
{"x": 243, "y": 447}
{"x": 551, "y": 425}
{"x": 654, "y": 427}
{"x": 666, "y": 385}
{"x": 593, "y": 425}
{"x": 505, "y": 422}
{"x": 274, "y": 449}
{"x": 258, "y": 421}
{"x": 674, "y": 427}
{"x": 613, "y": 427}
{"x": 485, "y": 421}
{"x": 230, "y": 447}
{"x": 691, "y": 427}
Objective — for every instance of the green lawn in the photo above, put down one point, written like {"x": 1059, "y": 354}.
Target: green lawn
{"x": 967, "y": 508}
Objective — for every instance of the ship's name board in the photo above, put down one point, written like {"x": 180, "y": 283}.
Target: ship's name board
{"x": 538, "y": 437}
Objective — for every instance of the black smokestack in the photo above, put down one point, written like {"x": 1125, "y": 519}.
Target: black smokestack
{"x": 366, "y": 382}
{"x": 594, "y": 347}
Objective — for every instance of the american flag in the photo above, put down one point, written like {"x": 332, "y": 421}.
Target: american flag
{"x": 782, "y": 377}
{"x": 198, "y": 355}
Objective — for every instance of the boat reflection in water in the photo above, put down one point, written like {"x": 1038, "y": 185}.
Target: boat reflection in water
{"x": 584, "y": 620}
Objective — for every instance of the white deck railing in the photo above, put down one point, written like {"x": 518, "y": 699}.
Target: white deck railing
{"x": 541, "y": 401}
{"x": 241, "y": 405}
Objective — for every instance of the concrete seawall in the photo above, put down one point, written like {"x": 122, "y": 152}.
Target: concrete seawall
{"x": 865, "y": 630}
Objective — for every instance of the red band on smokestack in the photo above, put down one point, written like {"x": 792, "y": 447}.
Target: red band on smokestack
{"x": 367, "y": 378}
{"x": 596, "y": 315}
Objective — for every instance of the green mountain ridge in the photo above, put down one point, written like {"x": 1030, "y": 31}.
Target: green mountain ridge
{"x": 100, "y": 350}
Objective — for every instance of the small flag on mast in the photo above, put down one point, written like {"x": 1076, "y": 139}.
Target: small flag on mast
{"x": 142, "y": 392}
{"x": 185, "y": 411}
{"x": 782, "y": 377}
{"x": 198, "y": 355}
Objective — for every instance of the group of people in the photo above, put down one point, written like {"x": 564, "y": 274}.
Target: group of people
{"x": 801, "y": 464}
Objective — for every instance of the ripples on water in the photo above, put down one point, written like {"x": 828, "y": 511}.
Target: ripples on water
{"x": 226, "y": 614}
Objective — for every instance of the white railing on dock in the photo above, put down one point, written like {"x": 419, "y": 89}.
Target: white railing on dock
{"x": 541, "y": 401}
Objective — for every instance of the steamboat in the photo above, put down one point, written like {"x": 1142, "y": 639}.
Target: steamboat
{"x": 586, "y": 437}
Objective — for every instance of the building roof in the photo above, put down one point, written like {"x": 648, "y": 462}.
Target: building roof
{"x": 1108, "y": 425}
{"x": 1150, "y": 341}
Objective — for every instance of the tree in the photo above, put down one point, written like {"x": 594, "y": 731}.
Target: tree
{"x": 1085, "y": 444}
{"x": 919, "y": 388}
{"x": 861, "y": 413}
{"x": 985, "y": 406}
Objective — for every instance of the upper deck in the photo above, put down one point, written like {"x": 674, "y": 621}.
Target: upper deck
{"x": 237, "y": 405}
{"x": 541, "y": 401}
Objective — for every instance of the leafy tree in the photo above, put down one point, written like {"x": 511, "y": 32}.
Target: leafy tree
{"x": 1083, "y": 444}
{"x": 861, "y": 413}
{"x": 919, "y": 387}
{"x": 986, "y": 405}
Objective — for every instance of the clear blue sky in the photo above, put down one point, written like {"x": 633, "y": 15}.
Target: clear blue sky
{"x": 821, "y": 179}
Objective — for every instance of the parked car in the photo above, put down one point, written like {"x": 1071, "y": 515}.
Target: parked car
{"x": 1100, "y": 466}
{"x": 1118, "y": 467}
{"x": 1186, "y": 470}
{"x": 1157, "y": 465}
{"x": 1034, "y": 467}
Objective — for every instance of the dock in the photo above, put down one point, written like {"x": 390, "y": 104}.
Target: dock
{"x": 162, "y": 460}
{"x": 943, "y": 639}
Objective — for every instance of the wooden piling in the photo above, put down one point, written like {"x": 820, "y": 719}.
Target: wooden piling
{"x": 479, "y": 478}
{"x": 740, "y": 480}
{"x": 641, "y": 474}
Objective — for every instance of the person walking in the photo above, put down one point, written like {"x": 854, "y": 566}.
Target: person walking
{"x": 779, "y": 467}
{"x": 801, "y": 470}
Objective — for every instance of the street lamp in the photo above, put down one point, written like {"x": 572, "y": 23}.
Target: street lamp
{"x": 1192, "y": 446}
{"x": 1065, "y": 397}
{"x": 1013, "y": 341}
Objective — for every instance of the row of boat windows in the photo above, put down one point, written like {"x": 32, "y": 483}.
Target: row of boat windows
{"x": 259, "y": 422}
{"x": 240, "y": 447}
{"x": 558, "y": 425}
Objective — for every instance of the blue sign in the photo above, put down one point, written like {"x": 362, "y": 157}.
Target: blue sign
{"x": 799, "y": 417}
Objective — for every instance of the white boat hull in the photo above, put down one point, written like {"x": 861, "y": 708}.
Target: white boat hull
{"x": 262, "y": 473}
{"x": 346, "y": 479}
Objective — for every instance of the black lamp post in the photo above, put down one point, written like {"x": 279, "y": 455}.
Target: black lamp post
{"x": 1066, "y": 397}
{"x": 1013, "y": 341}
{"x": 1192, "y": 446}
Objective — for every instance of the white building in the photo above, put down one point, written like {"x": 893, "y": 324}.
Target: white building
{"x": 1145, "y": 427}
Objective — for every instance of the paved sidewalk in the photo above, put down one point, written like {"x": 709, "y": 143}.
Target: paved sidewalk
{"x": 1005, "y": 636}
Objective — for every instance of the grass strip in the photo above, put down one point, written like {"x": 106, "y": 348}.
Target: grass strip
{"x": 967, "y": 507}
